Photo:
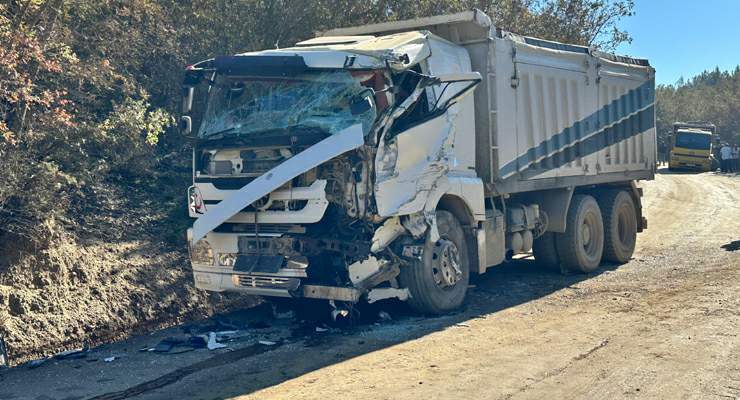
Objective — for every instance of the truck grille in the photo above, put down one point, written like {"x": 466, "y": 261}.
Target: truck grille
{"x": 264, "y": 229}
{"x": 266, "y": 281}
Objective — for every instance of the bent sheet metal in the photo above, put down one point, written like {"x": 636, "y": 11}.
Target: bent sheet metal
{"x": 344, "y": 141}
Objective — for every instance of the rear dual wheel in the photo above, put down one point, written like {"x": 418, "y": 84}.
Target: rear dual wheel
{"x": 581, "y": 246}
{"x": 545, "y": 252}
{"x": 620, "y": 225}
{"x": 601, "y": 228}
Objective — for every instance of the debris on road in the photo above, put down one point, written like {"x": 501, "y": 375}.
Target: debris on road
{"x": 37, "y": 363}
{"x": 165, "y": 345}
{"x": 72, "y": 354}
{"x": 384, "y": 317}
{"x": 197, "y": 342}
{"x": 212, "y": 343}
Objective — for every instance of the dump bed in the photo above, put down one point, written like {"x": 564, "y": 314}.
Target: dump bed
{"x": 548, "y": 114}
{"x": 699, "y": 126}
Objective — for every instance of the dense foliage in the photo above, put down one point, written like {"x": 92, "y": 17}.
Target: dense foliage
{"x": 88, "y": 88}
{"x": 712, "y": 96}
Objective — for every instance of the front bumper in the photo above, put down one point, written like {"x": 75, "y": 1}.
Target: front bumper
{"x": 271, "y": 285}
{"x": 694, "y": 163}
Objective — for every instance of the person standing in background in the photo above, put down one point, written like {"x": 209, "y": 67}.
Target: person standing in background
{"x": 725, "y": 154}
{"x": 662, "y": 152}
{"x": 735, "y": 158}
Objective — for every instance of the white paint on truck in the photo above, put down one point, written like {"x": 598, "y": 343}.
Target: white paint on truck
{"x": 439, "y": 184}
{"x": 334, "y": 145}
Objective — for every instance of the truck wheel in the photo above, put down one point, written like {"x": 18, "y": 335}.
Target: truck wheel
{"x": 581, "y": 246}
{"x": 545, "y": 252}
{"x": 438, "y": 283}
{"x": 620, "y": 225}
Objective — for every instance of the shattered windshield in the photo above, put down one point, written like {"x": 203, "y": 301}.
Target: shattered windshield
{"x": 246, "y": 106}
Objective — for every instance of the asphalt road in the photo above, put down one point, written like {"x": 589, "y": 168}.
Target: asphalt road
{"x": 664, "y": 325}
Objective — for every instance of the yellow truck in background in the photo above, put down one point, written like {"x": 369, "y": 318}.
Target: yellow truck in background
{"x": 691, "y": 146}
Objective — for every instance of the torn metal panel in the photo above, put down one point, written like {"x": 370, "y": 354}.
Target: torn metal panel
{"x": 342, "y": 142}
{"x": 387, "y": 293}
{"x": 426, "y": 155}
{"x": 400, "y": 50}
{"x": 313, "y": 211}
{"x": 350, "y": 295}
{"x": 427, "y": 148}
{"x": 361, "y": 270}
{"x": 415, "y": 224}
{"x": 386, "y": 234}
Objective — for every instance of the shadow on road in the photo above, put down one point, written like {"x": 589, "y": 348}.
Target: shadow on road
{"x": 666, "y": 171}
{"x": 514, "y": 283}
{"x": 732, "y": 246}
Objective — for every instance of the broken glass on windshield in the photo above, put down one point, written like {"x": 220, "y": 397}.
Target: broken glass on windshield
{"x": 247, "y": 106}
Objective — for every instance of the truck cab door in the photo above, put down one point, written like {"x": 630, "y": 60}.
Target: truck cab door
{"x": 414, "y": 153}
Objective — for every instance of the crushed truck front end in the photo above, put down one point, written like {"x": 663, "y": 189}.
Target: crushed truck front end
{"x": 298, "y": 190}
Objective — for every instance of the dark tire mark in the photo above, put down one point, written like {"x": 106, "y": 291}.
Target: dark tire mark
{"x": 178, "y": 374}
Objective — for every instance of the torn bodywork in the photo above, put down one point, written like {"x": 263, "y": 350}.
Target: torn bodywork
{"x": 298, "y": 186}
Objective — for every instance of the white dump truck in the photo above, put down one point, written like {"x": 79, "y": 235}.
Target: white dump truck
{"x": 394, "y": 160}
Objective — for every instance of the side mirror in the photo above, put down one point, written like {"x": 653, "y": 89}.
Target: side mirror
{"x": 186, "y": 126}
{"x": 187, "y": 98}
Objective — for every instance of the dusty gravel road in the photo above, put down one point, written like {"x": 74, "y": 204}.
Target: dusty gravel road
{"x": 663, "y": 326}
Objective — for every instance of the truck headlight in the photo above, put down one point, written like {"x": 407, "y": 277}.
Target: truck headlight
{"x": 201, "y": 253}
{"x": 226, "y": 259}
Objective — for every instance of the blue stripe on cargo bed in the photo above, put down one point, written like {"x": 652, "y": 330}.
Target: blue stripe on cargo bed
{"x": 631, "y": 126}
{"x": 619, "y": 109}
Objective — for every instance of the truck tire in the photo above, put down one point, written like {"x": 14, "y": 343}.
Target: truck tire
{"x": 545, "y": 252}
{"x": 438, "y": 283}
{"x": 581, "y": 246}
{"x": 620, "y": 225}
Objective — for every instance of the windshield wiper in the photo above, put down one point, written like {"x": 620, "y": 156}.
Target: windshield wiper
{"x": 210, "y": 136}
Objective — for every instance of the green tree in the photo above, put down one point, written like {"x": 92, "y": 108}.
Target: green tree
{"x": 712, "y": 96}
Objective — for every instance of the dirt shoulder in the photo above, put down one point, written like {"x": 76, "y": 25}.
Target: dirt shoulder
{"x": 665, "y": 325}
{"x": 103, "y": 277}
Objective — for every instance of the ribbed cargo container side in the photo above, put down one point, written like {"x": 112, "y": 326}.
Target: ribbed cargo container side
{"x": 626, "y": 97}
{"x": 551, "y": 96}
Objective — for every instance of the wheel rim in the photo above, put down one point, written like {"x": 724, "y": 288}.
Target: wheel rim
{"x": 446, "y": 264}
{"x": 589, "y": 234}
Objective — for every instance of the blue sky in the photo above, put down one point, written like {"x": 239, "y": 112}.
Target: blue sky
{"x": 684, "y": 37}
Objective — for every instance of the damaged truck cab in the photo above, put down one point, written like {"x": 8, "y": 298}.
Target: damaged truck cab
{"x": 359, "y": 164}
